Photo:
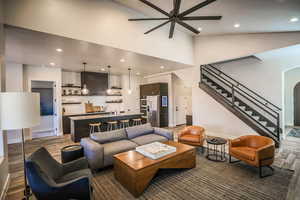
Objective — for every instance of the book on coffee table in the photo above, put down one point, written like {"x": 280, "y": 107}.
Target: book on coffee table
{"x": 155, "y": 150}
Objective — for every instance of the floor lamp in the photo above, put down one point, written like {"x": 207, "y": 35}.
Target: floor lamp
{"x": 20, "y": 110}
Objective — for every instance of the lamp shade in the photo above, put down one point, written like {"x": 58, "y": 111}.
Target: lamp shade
{"x": 19, "y": 110}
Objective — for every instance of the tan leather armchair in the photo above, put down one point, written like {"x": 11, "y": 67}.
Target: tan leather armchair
{"x": 192, "y": 135}
{"x": 255, "y": 150}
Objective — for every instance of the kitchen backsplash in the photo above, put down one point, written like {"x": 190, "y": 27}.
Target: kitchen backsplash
{"x": 96, "y": 100}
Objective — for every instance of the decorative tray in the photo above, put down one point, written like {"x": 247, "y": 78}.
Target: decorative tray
{"x": 155, "y": 150}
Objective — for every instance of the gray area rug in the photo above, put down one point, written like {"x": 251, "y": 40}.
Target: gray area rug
{"x": 295, "y": 132}
{"x": 208, "y": 181}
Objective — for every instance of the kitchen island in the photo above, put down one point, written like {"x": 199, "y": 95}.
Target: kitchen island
{"x": 67, "y": 121}
{"x": 80, "y": 124}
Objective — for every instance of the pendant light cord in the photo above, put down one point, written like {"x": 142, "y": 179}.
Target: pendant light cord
{"x": 129, "y": 75}
{"x": 84, "y": 73}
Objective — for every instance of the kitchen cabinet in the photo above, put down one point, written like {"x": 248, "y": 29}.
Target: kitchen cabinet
{"x": 154, "y": 89}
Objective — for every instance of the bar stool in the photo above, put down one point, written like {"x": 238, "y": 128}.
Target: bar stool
{"x": 92, "y": 127}
{"x": 137, "y": 122}
{"x": 124, "y": 123}
{"x": 112, "y": 125}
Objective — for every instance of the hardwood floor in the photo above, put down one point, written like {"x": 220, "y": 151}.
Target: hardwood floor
{"x": 54, "y": 144}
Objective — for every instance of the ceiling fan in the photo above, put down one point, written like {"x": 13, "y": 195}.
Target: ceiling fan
{"x": 175, "y": 17}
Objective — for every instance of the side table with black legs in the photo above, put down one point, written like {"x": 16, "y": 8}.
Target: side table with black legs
{"x": 71, "y": 152}
{"x": 216, "y": 149}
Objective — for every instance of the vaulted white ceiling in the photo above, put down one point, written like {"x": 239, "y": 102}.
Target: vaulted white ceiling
{"x": 36, "y": 48}
{"x": 254, "y": 16}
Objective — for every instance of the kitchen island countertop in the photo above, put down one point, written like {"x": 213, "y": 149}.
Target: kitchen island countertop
{"x": 75, "y": 118}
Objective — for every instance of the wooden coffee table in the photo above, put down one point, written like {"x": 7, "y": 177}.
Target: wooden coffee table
{"x": 135, "y": 171}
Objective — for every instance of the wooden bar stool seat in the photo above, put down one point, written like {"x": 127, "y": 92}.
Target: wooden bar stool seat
{"x": 124, "y": 123}
{"x": 93, "y": 125}
{"x": 137, "y": 122}
{"x": 112, "y": 125}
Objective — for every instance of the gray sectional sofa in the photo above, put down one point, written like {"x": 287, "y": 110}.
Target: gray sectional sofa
{"x": 100, "y": 148}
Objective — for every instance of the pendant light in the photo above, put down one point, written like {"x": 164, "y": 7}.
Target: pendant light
{"x": 129, "y": 81}
{"x": 108, "y": 91}
{"x": 84, "y": 90}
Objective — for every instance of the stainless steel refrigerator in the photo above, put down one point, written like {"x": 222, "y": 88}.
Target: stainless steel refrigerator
{"x": 153, "y": 110}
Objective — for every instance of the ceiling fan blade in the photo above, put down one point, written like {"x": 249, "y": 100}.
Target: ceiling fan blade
{"x": 147, "y": 19}
{"x": 155, "y": 7}
{"x": 200, "y": 5}
{"x": 156, "y": 27}
{"x": 185, "y": 25}
{"x": 177, "y": 4}
{"x": 201, "y": 18}
{"x": 172, "y": 28}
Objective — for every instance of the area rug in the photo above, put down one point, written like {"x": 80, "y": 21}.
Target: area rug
{"x": 208, "y": 181}
{"x": 295, "y": 132}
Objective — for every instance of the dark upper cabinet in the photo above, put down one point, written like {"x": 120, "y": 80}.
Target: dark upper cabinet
{"x": 154, "y": 89}
{"x": 97, "y": 83}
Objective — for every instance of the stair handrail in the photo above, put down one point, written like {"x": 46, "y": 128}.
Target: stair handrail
{"x": 240, "y": 84}
{"x": 243, "y": 95}
{"x": 234, "y": 85}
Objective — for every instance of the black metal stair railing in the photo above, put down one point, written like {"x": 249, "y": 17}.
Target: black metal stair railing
{"x": 259, "y": 110}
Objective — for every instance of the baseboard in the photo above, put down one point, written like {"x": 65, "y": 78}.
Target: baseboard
{"x": 5, "y": 188}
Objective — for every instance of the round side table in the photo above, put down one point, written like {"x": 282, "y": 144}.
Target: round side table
{"x": 70, "y": 153}
{"x": 217, "y": 152}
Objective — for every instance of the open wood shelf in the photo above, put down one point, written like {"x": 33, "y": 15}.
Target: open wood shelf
{"x": 70, "y": 103}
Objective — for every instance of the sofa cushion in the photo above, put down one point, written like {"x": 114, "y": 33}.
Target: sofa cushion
{"x": 110, "y": 136}
{"x": 244, "y": 152}
{"x": 110, "y": 149}
{"x": 136, "y": 131}
{"x": 146, "y": 139}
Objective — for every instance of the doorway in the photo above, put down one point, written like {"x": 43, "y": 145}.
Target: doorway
{"x": 48, "y": 123}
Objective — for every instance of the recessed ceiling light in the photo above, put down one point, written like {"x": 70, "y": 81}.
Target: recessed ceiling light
{"x": 237, "y": 25}
{"x": 52, "y": 64}
{"x": 294, "y": 19}
{"x": 59, "y": 50}
{"x": 138, "y": 73}
{"x": 199, "y": 29}
{"x": 102, "y": 69}
{"x": 162, "y": 67}
{"x": 122, "y": 60}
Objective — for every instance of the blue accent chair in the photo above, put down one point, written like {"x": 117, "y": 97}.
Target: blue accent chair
{"x": 50, "y": 180}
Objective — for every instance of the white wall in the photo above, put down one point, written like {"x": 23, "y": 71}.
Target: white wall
{"x": 264, "y": 77}
{"x": 209, "y": 113}
{"x": 102, "y": 22}
{"x": 291, "y": 78}
{"x": 14, "y": 83}
{"x": 182, "y": 100}
{"x": 38, "y": 73}
{"x": 215, "y": 48}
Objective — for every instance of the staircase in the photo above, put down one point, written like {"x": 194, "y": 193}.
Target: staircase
{"x": 257, "y": 112}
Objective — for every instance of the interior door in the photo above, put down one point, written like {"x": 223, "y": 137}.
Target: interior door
{"x": 181, "y": 106}
{"x": 297, "y": 105}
